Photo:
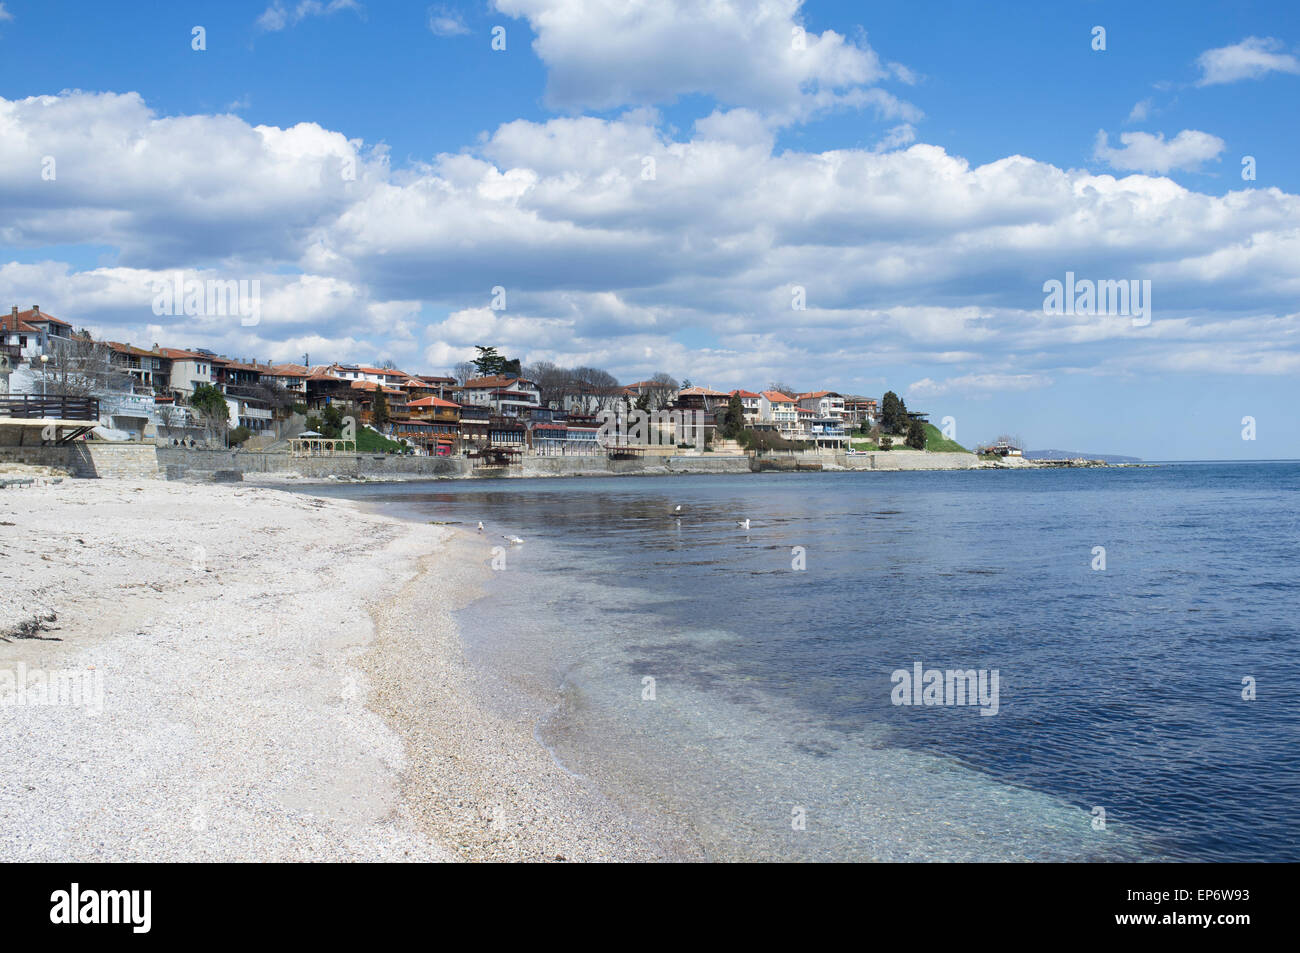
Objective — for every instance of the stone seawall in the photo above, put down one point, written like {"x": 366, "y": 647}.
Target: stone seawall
{"x": 179, "y": 462}
{"x": 643, "y": 466}
{"x": 906, "y": 460}
{"x": 89, "y": 460}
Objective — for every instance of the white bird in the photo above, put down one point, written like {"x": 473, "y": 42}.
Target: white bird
{"x": 743, "y": 524}
{"x": 480, "y": 526}
{"x": 513, "y": 539}
{"x": 677, "y": 508}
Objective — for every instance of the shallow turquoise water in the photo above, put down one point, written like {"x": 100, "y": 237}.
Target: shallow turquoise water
{"x": 1119, "y": 689}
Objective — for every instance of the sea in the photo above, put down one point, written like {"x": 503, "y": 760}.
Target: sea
{"x": 1123, "y": 643}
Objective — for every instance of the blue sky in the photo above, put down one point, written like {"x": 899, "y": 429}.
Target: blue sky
{"x": 871, "y": 167}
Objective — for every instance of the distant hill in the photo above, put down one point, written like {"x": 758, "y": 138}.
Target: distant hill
{"x": 1076, "y": 454}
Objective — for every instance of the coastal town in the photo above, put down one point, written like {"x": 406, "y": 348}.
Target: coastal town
{"x": 492, "y": 410}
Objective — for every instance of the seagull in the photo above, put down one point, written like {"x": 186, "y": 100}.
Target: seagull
{"x": 743, "y": 524}
{"x": 513, "y": 539}
{"x": 480, "y": 526}
{"x": 677, "y": 508}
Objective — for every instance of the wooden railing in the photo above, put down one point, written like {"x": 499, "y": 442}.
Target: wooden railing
{"x": 35, "y": 407}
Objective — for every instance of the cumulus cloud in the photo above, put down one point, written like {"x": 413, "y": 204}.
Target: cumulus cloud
{"x": 750, "y": 53}
{"x": 1144, "y": 152}
{"x": 279, "y": 17}
{"x": 5, "y": 14}
{"x": 1252, "y": 58}
{"x": 907, "y": 256}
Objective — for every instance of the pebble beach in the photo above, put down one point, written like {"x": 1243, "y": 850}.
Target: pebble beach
{"x": 266, "y": 676}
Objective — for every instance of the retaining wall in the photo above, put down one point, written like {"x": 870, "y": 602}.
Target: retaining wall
{"x": 89, "y": 459}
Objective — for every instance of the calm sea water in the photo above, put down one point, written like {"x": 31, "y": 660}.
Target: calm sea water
{"x": 772, "y": 732}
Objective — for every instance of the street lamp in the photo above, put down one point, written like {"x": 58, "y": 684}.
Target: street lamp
{"x": 45, "y": 359}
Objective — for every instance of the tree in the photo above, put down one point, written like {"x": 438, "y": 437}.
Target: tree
{"x": 916, "y": 435}
{"x": 786, "y": 389}
{"x": 81, "y": 367}
{"x": 239, "y": 435}
{"x": 551, "y": 381}
{"x": 379, "y": 415}
{"x": 463, "y": 371}
{"x": 886, "y": 443}
{"x": 663, "y": 388}
{"x": 733, "y": 421}
{"x": 893, "y": 413}
{"x": 211, "y": 403}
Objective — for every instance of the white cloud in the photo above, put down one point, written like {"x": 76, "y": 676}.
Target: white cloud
{"x": 278, "y": 17}
{"x": 444, "y": 21}
{"x": 750, "y": 53}
{"x": 909, "y": 257}
{"x": 977, "y": 385}
{"x": 1252, "y": 58}
{"x": 1144, "y": 152}
{"x": 1140, "y": 111}
{"x": 5, "y": 14}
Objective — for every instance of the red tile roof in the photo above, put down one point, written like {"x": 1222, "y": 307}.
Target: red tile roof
{"x": 743, "y": 393}
{"x": 288, "y": 370}
{"x": 776, "y": 397}
{"x": 31, "y": 314}
{"x": 432, "y": 402}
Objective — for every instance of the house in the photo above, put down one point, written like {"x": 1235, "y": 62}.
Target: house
{"x": 32, "y": 332}
{"x": 389, "y": 376}
{"x": 702, "y": 398}
{"x": 474, "y": 423}
{"x": 149, "y": 370}
{"x": 323, "y": 388}
{"x": 289, "y": 377}
{"x": 506, "y": 433}
{"x": 503, "y": 395}
{"x": 860, "y": 410}
{"x": 824, "y": 403}
{"x": 550, "y": 439}
{"x": 363, "y": 395}
{"x": 749, "y": 401}
{"x": 779, "y": 411}
{"x": 442, "y": 418}
{"x": 189, "y": 369}
{"x": 826, "y": 432}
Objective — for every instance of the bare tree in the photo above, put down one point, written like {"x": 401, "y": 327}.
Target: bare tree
{"x": 463, "y": 372}
{"x": 550, "y": 379}
{"x": 786, "y": 389}
{"x": 662, "y": 390}
{"x": 81, "y": 367}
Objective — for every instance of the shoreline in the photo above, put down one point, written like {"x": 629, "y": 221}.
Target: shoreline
{"x": 294, "y": 693}
{"x": 478, "y": 777}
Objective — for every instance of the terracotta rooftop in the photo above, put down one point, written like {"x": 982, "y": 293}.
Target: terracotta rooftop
{"x": 432, "y": 402}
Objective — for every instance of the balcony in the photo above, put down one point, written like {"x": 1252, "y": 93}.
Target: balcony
{"x": 33, "y": 407}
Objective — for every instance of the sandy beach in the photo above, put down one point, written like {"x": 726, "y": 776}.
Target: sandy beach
{"x": 264, "y": 676}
